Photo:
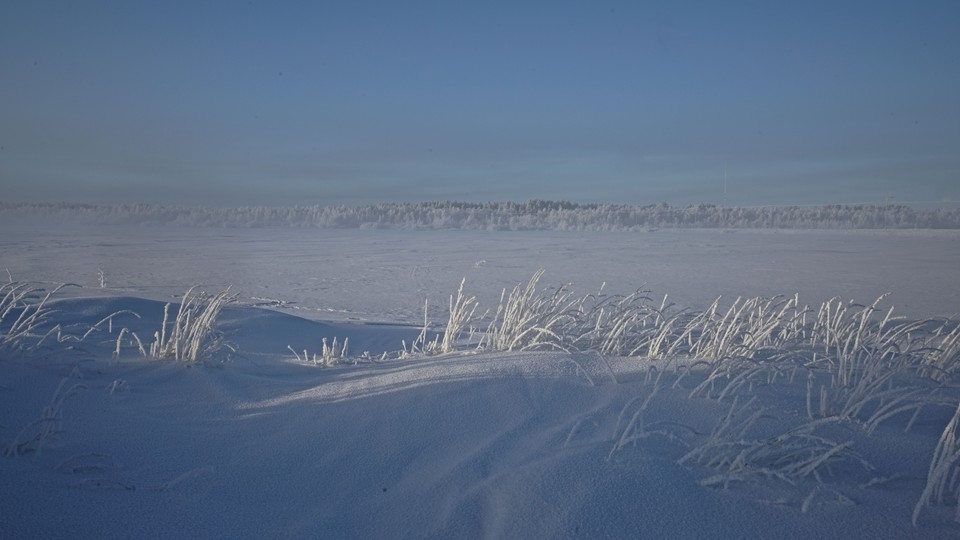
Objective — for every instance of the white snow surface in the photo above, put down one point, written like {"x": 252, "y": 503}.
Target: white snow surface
{"x": 464, "y": 445}
{"x": 371, "y": 275}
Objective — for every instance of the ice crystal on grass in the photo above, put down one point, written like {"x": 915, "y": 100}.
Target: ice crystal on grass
{"x": 190, "y": 336}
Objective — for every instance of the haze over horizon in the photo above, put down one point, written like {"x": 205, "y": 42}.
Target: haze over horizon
{"x": 222, "y": 103}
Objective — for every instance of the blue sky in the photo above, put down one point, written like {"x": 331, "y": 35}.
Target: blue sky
{"x": 277, "y": 103}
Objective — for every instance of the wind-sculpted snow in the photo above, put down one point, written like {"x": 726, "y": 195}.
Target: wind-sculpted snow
{"x": 368, "y": 381}
{"x": 530, "y": 215}
{"x": 532, "y": 445}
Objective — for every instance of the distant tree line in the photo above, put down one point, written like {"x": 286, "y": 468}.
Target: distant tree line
{"x": 530, "y": 215}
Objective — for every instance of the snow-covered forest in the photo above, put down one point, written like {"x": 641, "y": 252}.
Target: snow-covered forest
{"x": 530, "y": 215}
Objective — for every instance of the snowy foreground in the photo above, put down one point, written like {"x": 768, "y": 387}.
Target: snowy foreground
{"x": 600, "y": 415}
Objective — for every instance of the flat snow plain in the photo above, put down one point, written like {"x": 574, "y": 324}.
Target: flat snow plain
{"x": 491, "y": 444}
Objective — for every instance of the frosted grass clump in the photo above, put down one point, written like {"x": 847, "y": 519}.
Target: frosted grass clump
{"x": 859, "y": 346}
{"x": 528, "y": 319}
{"x": 942, "y": 478}
{"x": 461, "y": 313}
{"x": 191, "y": 336}
{"x": 22, "y": 313}
{"x": 331, "y": 354}
{"x": 792, "y": 456}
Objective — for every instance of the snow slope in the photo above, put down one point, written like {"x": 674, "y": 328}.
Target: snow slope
{"x": 257, "y": 444}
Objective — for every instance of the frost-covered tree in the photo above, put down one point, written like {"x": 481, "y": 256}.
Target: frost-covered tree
{"x": 531, "y": 215}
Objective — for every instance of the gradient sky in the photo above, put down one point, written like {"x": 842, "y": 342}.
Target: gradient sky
{"x": 277, "y": 103}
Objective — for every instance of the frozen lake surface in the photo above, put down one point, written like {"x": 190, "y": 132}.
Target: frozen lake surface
{"x": 386, "y": 275}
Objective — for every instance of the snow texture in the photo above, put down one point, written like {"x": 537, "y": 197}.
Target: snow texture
{"x": 257, "y": 440}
